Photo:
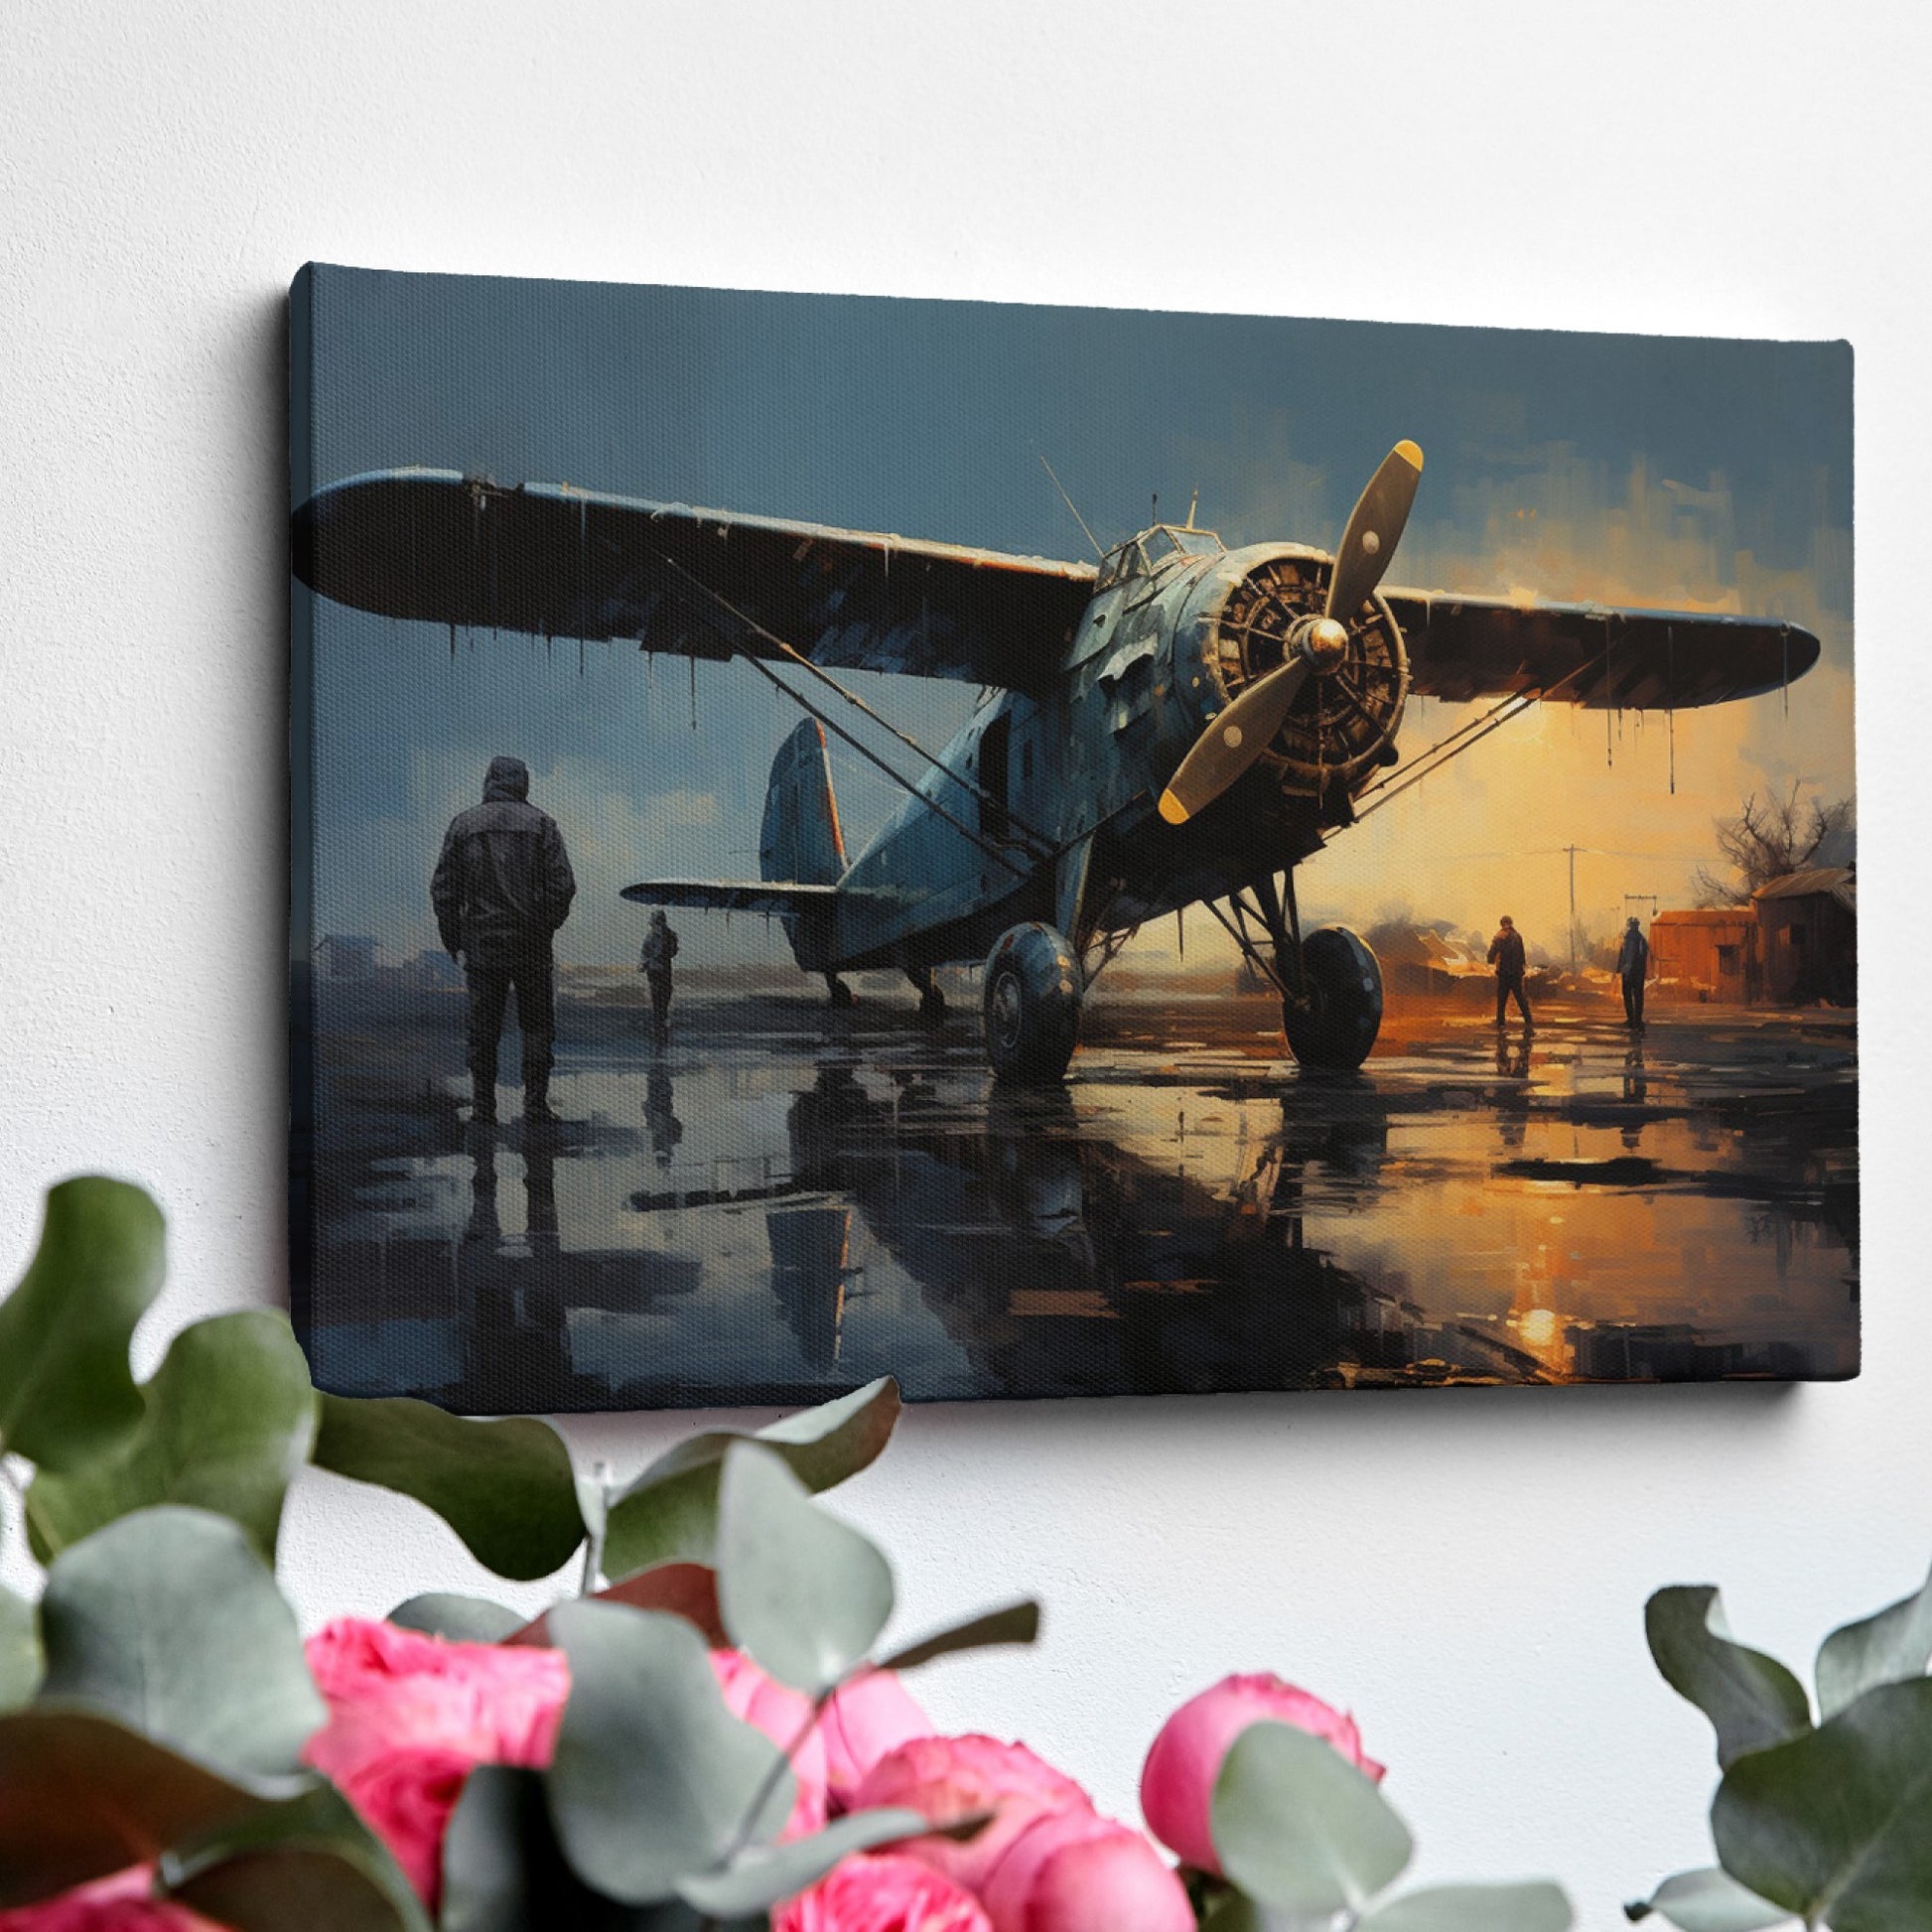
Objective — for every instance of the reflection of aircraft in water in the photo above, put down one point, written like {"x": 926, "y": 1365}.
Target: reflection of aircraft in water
{"x": 1064, "y": 1264}
{"x": 1182, "y": 723}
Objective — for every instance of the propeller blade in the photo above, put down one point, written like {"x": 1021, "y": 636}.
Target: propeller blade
{"x": 1374, "y": 529}
{"x": 1232, "y": 741}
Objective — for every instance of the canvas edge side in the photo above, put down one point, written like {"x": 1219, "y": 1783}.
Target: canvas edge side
{"x": 301, "y": 801}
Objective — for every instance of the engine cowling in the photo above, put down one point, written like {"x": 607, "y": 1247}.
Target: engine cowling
{"x": 1343, "y": 721}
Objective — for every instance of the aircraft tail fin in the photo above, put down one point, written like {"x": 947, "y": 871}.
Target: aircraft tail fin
{"x": 800, "y": 838}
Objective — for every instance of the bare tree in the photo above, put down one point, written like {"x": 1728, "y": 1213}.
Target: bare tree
{"x": 1767, "y": 837}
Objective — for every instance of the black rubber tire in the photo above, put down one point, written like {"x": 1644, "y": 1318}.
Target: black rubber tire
{"x": 1336, "y": 1029}
{"x": 1031, "y": 1004}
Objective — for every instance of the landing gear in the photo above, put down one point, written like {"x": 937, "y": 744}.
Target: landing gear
{"x": 1033, "y": 1003}
{"x": 932, "y": 1002}
{"x": 1330, "y": 983}
{"x": 837, "y": 988}
{"x": 1333, "y": 1025}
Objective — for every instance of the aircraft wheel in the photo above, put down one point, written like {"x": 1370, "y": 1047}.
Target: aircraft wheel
{"x": 1334, "y": 1030}
{"x": 1033, "y": 1003}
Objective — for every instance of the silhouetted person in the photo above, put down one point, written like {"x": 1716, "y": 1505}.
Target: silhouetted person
{"x": 660, "y": 1115}
{"x": 1633, "y": 968}
{"x": 1507, "y": 956}
{"x": 503, "y": 888}
{"x": 655, "y": 962}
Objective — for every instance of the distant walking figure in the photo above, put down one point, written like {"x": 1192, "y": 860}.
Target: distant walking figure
{"x": 502, "y": 887}
{"x": 1634, "y": 966}
{"x": 1507, "y": 956}
{"x": 655, "y": 962}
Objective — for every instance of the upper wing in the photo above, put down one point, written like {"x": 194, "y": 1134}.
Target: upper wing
{"x": 1593, "y": 654}
{"x": 558, "y": 562}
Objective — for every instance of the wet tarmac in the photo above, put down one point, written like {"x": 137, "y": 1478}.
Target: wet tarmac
{"x": 786, "y": 1202}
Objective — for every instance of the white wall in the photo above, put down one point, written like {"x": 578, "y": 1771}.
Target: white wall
{"x": 1467, "y": 1572}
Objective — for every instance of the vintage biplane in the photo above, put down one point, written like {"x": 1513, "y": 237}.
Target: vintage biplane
{"x": 1181, "y": 723}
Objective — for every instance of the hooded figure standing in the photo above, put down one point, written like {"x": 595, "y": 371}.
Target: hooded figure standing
{"x": 502, "y": 887}
{"x": 1633, "y": 967}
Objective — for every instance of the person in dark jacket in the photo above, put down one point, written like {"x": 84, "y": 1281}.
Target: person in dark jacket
{"x": 1507, "y": 956}
{"x": 655, "y": 962}
{"x": 1633, "y": 968}
{"x": 502, "y": 888}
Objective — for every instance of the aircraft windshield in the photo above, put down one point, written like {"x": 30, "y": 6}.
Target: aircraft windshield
{"x": 1164, "y": 541}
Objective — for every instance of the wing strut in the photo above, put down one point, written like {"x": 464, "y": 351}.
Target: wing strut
{"x": 1385, "y": 790}
{"x": 1043, "y": 846}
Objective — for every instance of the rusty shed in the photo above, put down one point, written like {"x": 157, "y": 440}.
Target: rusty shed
{"x": 1707, "y": 953}
{"x": 1808, "y": 935}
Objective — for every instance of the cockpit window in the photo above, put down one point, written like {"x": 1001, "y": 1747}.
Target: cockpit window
{"x": 1120, "y": 565}
{"x": 1166, "y": 540}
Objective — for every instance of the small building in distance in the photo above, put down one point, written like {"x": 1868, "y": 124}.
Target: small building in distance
{"x": 1705, "y": 953}
{"x": 1808, "y": 935}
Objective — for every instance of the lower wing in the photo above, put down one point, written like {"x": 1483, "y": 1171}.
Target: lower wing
{"x": 778, "y": 897}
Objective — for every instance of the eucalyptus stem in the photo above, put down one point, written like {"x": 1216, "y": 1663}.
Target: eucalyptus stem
{"x": 770, "y": 1782}
{"x": 594, "y": 1531}
{"x": 12, "y": 1482}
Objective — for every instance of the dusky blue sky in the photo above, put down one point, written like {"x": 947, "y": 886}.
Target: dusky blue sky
{"x": 1667, "y": 471}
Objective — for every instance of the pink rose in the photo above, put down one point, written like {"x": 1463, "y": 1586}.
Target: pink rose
{"x": 882, "y": 1892}
{"x": 949, "y": 1778}
{"x": 409, "y": 1715}
{"x": 862, "y": 1722}
{"x": 1074, "y": 1872}
{"x": 1177, "y": 1781}
{"x": 781, "y": 1713}
{"x": 122, "y": 1904}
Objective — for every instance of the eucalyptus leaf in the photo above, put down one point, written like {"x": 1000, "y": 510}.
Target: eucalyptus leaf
{"x": 1531, "y": 1905}
{"x": 1709, "y": 1900}
{"x": 1235, "y": 1911}
{"x": 762, "y": 1875}
{"x": 686, "y": 1589}
{"x": 802, "y": 1594}
{"x": 81, "y": 1796}
{"x": 1751, "y": 1700}
{"x": 461, "y": 1619}
{"x": 669, "y": 1513}
{"x": 309, "y": 1864}
{"x": 1837, "y": 1824}
{"x": 1888, "y": 1648}
{"x": 66, "y": 1393}
{"x": 503, "y": 1871}
{"x": 506, "y": 1488}
{"x": 20, "y": 1649}
{"x": 1299, "y": 1829}
{"x": 168, "y": 1621}
{"x": 653, "y": 1779}
{"x": 226, "y": 1425}
{"x": 1014, "y": 1623}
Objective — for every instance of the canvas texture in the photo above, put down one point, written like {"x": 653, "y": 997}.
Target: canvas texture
{"x": 1060, "y": 852}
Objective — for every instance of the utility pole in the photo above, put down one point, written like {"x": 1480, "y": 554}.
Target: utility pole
{"x": 1572, "y": 850}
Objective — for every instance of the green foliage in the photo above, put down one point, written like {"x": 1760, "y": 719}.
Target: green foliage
{"x": 1709, "y": 1900}
{"x": 653, "y": 1779}
{"x": 226, "y": 1425}
{"x": 1751, "y": 1700}
{"x": 167, "y": 1621}
{"x": 1299, "y": 1829}
{"x": 1014, "y": 1624}
{"x": 307, "y": 1861}
{"x": 1533, "y": 1906}
{"x": 462, "y": 1620}
{"x": 803, "y": 1595}
{"x": 762, "y": 1875}
{"x": 1833, "y": 1824}
{"x": 669, "y": 1514}
{"x": 506, "y": 1488}
{"x": 81, "y": 1796}
{"x": 1885, "y": 1649}
{"x": 20, "y": 1649}
{"x": 67, "y": 1394}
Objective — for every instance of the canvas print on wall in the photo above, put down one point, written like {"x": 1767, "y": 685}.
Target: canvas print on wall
{"x": 1118, "y": 853}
